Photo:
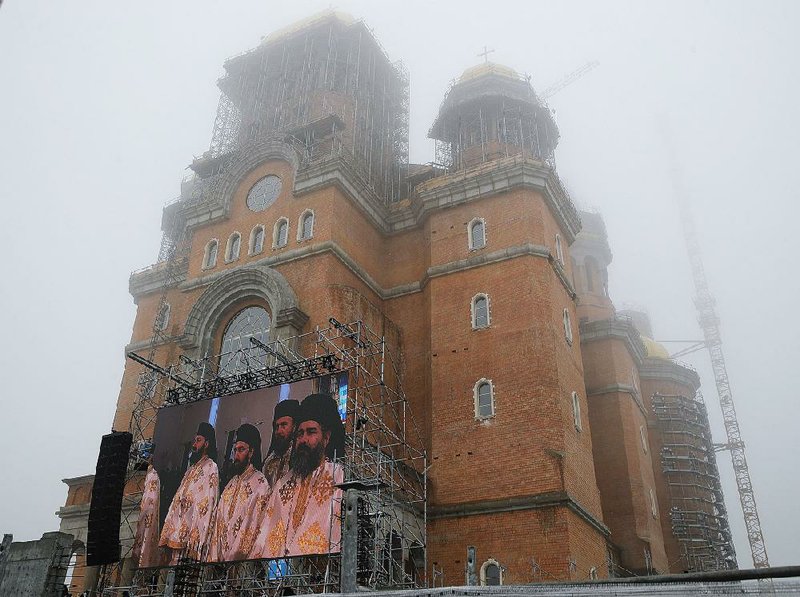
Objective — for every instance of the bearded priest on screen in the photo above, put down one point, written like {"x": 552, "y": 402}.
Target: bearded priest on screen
{"x": 239, "y": 517}
{"x": 304, "y": 510}
{"x": 189, "y": 515}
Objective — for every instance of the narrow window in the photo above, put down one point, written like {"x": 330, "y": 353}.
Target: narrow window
{"x": 576, "y": 411}
{"x": 280, "y": 234}
{"x": 480, "y": 311}
{"x": 232, "y": 250}
{"x": 162, "y": 319}
{"x": 567, "y": 327}
{"x": 210, "y": 259}
{"x": 484, "y": 399}
{"x": 477, "y": 234}
{"x": 559, "y": 250}
{"x": 591, "y": 268}
{"x": 653, "y": 506}
{"x": 644, "y": 438}
{"x": 257, "y": 240}
{"x": 593, "y": 573}
{"x": 306, "y": 226}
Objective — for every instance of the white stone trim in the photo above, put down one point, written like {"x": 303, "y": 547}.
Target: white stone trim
{"x": 576, "y": 411}
{"x": 229, "y": 256}
{"x": 470, "y": 239}
{"x": 162, "y": 322}
{"x": 485, "y": 565}
{"x": 251, "y": 245}
{"x": 475, "y": 398}
{"x": 207, "y": 251}
{"x": 567, "y": 326}
{"x": 559, "y": 250}
{"x": 300, "y": 220}
{"x": 276, "y": 233}
{"x": 473, "y": 319}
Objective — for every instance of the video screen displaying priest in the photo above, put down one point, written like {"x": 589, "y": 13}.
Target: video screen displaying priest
{"x": 249, "y": 476}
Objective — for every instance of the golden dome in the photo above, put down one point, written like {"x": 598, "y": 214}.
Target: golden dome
{"x": 654, "y": 349}
{"x": 326, "y": 15}
{"x": 488, "y": 68}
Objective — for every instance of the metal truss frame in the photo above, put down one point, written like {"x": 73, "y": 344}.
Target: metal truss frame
{"x": 385, "y": 468}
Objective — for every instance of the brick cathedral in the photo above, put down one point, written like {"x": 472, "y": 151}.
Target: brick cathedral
{"x": 563, "y": 442}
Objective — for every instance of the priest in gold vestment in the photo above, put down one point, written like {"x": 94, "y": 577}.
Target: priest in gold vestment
{"x": 239, "y": 517}
{"x": 303, "y": 516}
{"x": 279, "y": 455}
{"x": 145, "y": 546}
{"x": 186, "y": 525}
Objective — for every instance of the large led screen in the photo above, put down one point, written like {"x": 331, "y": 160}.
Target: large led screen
{"x": 242, "y": 477}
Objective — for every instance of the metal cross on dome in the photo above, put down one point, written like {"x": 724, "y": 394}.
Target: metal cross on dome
{"x": 485, "y": 53}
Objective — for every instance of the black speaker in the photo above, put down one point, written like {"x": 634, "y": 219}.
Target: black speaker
{"x": 102, "y": 541}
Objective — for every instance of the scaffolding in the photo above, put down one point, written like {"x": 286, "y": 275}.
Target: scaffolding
{"x": 697, "y": 509}
{"x": 328, "y": 87}
{"x": 492, "y": 112}
{"x": 385, "y": 466}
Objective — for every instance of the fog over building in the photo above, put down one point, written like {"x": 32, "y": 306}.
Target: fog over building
{"x": 562, "y": 441}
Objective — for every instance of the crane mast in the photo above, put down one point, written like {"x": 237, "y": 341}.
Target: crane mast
{"x": 709, "y": 322}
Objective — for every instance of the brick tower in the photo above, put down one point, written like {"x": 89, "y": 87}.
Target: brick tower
{"x": 474, "y": 268}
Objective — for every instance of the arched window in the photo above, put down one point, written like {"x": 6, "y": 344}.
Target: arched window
{"x": 237, "y": 353}
{"x": 491, "y": 573}
{"x": 477, "y": 234}
{"x": 567, "y": 327}
{"x": 257, "y": 240}
{"x": 162, "y": 319}
{"x": 280, "y": 233}
{"x": 484, "y": 399}
{"x": 480, "y": 311}
{"x": 305, "y": 227}
{"x": 590, "y": 264}
{"x": 232, "y": 250}
{"x": 210, "y": 255}
{"x": 559, "y": 250}
{"x": 576, "y": 411}
{"x": 593, "y": 573}
{"x": 644, "y": 438}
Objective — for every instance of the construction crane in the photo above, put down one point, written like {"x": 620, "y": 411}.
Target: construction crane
{"x": 568, "y": 80}
{"x": 709, "y": 322}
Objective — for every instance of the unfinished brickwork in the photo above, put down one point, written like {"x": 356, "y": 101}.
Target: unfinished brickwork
{"x": 532, "y": 413}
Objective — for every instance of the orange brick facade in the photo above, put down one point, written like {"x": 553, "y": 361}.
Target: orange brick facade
{"x": 545, "y": 495}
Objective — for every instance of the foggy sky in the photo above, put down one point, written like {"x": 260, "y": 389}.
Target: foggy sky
{"x": 103, "y": 106}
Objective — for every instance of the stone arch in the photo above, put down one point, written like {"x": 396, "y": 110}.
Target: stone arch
{"x": 254, "y": 281}
{"x": 248, "y": 158}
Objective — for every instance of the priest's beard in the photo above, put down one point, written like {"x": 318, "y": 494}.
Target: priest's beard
{"x": 240, "y": 467}
{"x": 305, "y": 460}
{"x": 195, "y": 457}
{"x": 281, "y": 444}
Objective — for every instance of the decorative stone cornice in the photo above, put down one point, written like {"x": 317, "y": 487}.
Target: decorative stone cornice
{"x": 154, "y": 278}
{"x": 619, "y": 388}
{"x": 291, "y": 316}
{"x": 188, "y": 339}
{"x": 668, "y": 370}
{"x": 82, "y": 480}
{"x": 554, "y": 499}
{"x": 619, "y": 328}
{"x": 497, "y": 177}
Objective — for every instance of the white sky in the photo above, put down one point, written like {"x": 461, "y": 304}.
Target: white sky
{"x": 104, "y": 104}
